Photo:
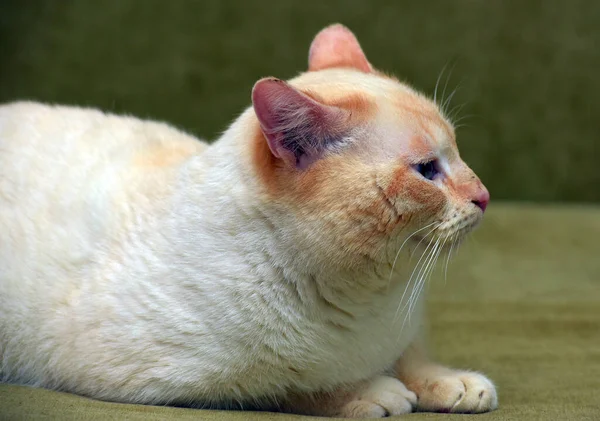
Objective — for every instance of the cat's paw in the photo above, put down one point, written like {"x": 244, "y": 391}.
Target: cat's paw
{"x": 383, "y": 397}
{"x": 458, "y": 392}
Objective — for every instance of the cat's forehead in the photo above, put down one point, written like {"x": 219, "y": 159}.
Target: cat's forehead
{"x": 337, "y": 82}
{"x": 404, "y": 121}
{"x": 418, "y": 126}
{"x": 383, "y": 91}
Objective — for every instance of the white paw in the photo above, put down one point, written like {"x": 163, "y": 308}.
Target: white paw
{"x": 460, "y": 391}
{"x": 383, "y": 397}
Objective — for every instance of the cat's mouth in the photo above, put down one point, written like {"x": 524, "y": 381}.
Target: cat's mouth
{"x": 447, "y": 232}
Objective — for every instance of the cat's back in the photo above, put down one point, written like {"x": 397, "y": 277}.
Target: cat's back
{"x": 70, "y": 177}
{"x": 35, "y": 132}
{"x": 51, "y": 149}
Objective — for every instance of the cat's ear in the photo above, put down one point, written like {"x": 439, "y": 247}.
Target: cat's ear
{"x": 297, "y": 128}
{"x": 336, "y": 46}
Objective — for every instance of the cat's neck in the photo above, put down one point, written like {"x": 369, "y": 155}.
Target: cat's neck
{"x": 224, "y": 219}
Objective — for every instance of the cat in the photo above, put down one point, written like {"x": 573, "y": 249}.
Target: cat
{"x": 268, "y": 270}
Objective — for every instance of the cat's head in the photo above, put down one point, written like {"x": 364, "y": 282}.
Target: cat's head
{"x": 358, "y": 158}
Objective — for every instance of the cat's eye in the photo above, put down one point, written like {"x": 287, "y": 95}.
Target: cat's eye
{"x": 427, "y": 169}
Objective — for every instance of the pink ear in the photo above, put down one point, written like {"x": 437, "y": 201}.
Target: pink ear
{"x": 336, "y": 46}
{"x": 298, "y": 129}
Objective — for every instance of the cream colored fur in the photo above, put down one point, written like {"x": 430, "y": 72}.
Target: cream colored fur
{"x": 138, "y": 264}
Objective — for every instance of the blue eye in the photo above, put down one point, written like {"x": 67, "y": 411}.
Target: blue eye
{"x": 428, "y": 170}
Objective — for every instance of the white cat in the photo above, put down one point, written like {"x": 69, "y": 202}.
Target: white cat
{"x": 138, "y": 264}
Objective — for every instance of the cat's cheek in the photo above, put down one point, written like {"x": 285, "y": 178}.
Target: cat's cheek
{"x": 414, "y": 195}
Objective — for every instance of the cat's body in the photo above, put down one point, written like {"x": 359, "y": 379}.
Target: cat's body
{"x": 106, "y": 237}
{"x": 138, "y": 264}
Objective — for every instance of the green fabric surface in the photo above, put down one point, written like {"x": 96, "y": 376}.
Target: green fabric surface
{"x": 527, "y": 69}
{"x": 521, "y": 303}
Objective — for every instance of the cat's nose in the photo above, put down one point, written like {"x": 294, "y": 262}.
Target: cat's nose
{"x": 481, "y": 198}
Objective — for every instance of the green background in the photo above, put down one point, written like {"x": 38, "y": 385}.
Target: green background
{"x": 528, "y": 70}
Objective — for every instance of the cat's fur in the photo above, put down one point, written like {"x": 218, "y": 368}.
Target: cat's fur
{"x": 138, "y": 264}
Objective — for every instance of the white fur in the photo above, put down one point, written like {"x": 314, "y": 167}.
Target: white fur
{"x": 176, "y": 283}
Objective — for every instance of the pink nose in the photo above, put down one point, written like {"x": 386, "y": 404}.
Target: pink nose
{"x": 482, "y": 198}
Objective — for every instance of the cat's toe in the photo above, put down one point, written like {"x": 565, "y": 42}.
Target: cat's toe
{"x": 385, "y": 396}
{"x": 441, "y": 394}
{"x": 480, "y": 394}
{"x": 460, "y": 392}
{"x": 363, "y": 409}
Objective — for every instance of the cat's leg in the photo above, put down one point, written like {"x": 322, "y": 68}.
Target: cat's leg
{"x": 442, "y": 389}
{"x": 380, "y": 397}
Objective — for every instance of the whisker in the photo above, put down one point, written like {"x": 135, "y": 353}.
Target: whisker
{"x": 427, "y": 273}
{"x": 462, "y": 118}
{"x": 459, "y": 242}
{"x": 460, "y": 126}
{"x": 445, "y": 104}
{"x": 412, "y": 299}
{"x": 399, "y": 310}
{"x": 428, "y": 269}
{"x": 419, "y": 275}
{"x": 424, "y": 237}
{"x": 454, "y": 237}
{"x": 439, "y": 252}
{"x": 455, "y": 111}
{"x": 411, "y": 278}
{"x": 425, "y": 267}
{"x": 437, "y": 82}
{"x": 401, "y": 246}
{"x": 447, "y": 80}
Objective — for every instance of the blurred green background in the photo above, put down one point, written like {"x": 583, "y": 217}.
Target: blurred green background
{"x": 527, "y": 70}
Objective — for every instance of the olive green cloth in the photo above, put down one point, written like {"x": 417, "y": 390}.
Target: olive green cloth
{"x": 528, "y": 70}
{"x": 521, "y": 303}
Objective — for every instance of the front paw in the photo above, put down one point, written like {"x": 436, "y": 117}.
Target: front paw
{"x": 459, "y": 392}
{"x": 383, "y": 397}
